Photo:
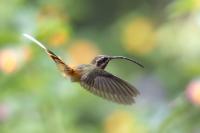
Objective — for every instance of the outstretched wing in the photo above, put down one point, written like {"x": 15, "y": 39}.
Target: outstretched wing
{"x": 108, "y": 86}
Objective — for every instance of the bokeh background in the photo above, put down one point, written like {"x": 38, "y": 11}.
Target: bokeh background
{"x": 164, "y": 35}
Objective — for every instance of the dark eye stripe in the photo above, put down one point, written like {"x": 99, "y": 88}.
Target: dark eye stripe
{"x": 101, "y": 61}
{"x": 104, "y": 59}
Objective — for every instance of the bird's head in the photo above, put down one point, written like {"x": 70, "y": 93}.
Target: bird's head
{"x": 101, "y": 61}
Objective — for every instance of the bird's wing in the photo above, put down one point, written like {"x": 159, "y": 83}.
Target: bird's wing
{"x": 108, "y": 86}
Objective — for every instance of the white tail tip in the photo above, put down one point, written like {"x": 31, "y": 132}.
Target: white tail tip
{"x": 34, "y": 40}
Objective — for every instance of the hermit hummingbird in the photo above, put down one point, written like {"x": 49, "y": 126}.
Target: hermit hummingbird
{"x": 95, "y": 79}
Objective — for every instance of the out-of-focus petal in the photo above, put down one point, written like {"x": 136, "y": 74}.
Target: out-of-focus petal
{"x": 193, "y": 92}
{"x": 82, "y": 52}
{"x": 138, "y": 36}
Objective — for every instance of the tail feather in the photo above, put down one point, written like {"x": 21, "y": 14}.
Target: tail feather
{"x": 65, "y": 69}
{"x": 34, "y": 40}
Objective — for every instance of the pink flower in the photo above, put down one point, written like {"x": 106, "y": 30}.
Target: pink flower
{"x": 193, "y": 92}
{"x": 4, "y": 112}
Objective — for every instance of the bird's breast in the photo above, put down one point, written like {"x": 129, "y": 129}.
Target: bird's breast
{"x": 75, "y": 76}
{"x": 81, "y": 70}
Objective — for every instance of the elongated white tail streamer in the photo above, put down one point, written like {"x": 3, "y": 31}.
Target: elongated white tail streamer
{"x": 35, "y": 40}
{"x": 65, "y": 69}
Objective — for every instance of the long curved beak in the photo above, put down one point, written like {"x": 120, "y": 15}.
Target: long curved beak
{"x": 122, "y": 57}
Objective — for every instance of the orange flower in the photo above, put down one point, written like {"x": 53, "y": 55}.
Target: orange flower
{"x": 51, "y": 11}
{"x": 82, "y": 51}
{"x": 26, "y": 53}
{"x": 52, "y": 26}
{"x": 8, "y": 61}
{"x": 54, "y": 31}
{"x": 138, "y": 36}
{"x": 12, "y": 58}
{"x": 59, "y": 38}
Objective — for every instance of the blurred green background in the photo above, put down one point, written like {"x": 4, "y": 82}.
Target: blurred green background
{"x": 164, "y": 35}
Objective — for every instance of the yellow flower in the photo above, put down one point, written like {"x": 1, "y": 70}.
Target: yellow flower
{"x": 138, "y": 36}
{"x": 82, "y": 52}
{"x": 119, "y": 122}
{"x": 123, "y": 122}
{"x": 196, "y": 5}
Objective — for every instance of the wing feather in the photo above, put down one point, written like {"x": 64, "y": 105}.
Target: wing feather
{"x": 108, "y": 86}
{"x": 112, "y": 91}
{"x": 123, "y": 96}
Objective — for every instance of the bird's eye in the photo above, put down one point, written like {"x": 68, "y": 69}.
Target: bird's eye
{"x": 104, "y": 59}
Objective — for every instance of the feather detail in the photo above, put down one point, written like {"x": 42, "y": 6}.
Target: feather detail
{"x": 108, "y": 86}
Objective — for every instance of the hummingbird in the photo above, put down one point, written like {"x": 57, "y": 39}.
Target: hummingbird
{"x": 94, "y": 78}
